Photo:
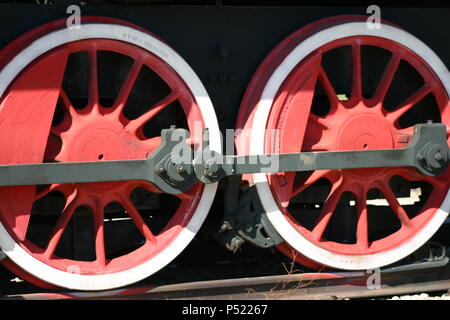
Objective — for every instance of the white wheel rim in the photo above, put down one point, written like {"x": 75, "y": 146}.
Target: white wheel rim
{"x": 76, "y": 281}
{"x": 257, "y": 143}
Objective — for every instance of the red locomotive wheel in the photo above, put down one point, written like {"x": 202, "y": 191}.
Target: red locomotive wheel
{"x": 341, "y": 86}
{"x": 41, "y": 121}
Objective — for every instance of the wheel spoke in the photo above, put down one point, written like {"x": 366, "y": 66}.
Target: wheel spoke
{"x": 408, "y": 103}
{"x": 316, "y": 175}
{"x": 386, "y": 79}
{"x": 318, "y": 138}
{"x": 319, "y": 121}
{"x": 66, "y": 189}
{"x": 135, "y": 124}
{"x": 69, "y": 113}
{"x": 149, "y": 187}
{"x": 98, "y": 213}
{"x": 92, "y": 77}
{"x": 127, "y": 86}
{"x": 61, "y": 127}
{"x": 329, "y": 89}
{"x": 327, "y": 211}
{"x": 320, "y": 146}
{"x": 362, "y": 225}
{"x": 71, "y": 204}
{"x": 356, "y": 73}
{"x": 137, "y": 219}
{"x": 414, "y": 175}
{"x": 395, "y": 205}
{"x": 67, "y": 104}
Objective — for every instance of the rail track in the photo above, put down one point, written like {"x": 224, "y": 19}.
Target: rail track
{"x": 407, "y": 279}
{"x": 256, "y": 274}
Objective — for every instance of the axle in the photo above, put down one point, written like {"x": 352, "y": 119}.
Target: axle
{"x": 176, "y": 172}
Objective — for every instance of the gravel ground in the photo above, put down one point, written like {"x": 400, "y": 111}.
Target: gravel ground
{"x": 422, "y": 296}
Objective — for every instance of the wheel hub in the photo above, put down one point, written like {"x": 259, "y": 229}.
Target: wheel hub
{"x": 363, "y": 129}
{"x": 100, "y": 138}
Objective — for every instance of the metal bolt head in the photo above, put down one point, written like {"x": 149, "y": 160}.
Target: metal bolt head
{"x": 420, "y": 157}
{"x": 181, "y": 169}
{"x": 438, "y": 156}
{"x": 225, "y": 227}
{"x": 160, "y": 170}
{"x": 210, "y": 168}
{"x": 236, "y": 243}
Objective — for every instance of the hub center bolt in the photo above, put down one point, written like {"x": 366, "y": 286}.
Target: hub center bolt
{"x": 181, "y": 169}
